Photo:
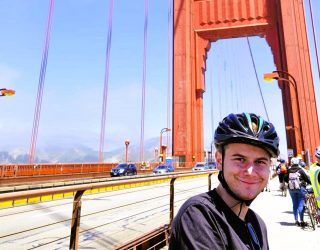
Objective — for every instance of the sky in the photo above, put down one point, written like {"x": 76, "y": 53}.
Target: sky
{"x": 73, "y": 88}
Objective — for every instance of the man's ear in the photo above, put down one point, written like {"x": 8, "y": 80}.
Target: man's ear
{"x": 218, "y": 157}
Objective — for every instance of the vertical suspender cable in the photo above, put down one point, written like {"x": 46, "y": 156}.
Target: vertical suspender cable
{"x": 225, "y": 98}
{"x": 169, "y": 106}
{"x": 255, "y": 71}
{"x": 106, "y": 81}
{"x": 219, "y": 84}
{"x": 211, "y": 101}
{"x": 37, "y": 111}
{"x": 314, "y": 37}
{"x": 144, "y": 80}
{"x": 231, "y": 79}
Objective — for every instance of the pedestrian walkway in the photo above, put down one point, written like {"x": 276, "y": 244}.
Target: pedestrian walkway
{"x": 276, "y": 211}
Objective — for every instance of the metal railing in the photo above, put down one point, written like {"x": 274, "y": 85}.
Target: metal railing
{"x": 78, "y": 191}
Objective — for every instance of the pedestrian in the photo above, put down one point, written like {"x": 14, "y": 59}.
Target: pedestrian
{"x": 282, "y": 171}
{"x": 315, "y": 177}
{"x": 221, "y": 218}
{"x": 297, "y": 183}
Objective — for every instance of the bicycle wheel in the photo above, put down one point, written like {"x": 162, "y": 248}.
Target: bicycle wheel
{"x": 311, "y": 213}
{"x": 313, "y": 204}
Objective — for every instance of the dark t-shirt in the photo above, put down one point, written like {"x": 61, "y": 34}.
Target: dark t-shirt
{"x": 206, "y": 222}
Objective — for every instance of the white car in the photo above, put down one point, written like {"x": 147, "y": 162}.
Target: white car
{"x": 200, "y": 166}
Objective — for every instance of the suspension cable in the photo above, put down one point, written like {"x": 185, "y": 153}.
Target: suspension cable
{"x": 314, "y": 37}
{"x": 37, "y": 111}
{"x": 258, "y": 82}
{"x": 144, "y": 79}
{"x": 219, "y": 85}
{"x": 106, "y": 83}
{"x": 169, "y": 75}
{"x": 211, "y": 101}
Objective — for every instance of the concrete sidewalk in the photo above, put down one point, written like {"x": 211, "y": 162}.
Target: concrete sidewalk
{"x": 276, "y": 211}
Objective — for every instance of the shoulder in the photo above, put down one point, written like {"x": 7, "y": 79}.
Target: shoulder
{"x": 196, "y": 225}
{"x": 294, "y": 168}
{"x": 198, "y": 204}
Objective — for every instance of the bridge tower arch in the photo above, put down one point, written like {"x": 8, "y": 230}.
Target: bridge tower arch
{"x": 197, "y": 23}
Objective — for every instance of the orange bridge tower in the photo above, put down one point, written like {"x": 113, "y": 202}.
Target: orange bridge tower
{"x": 197, "y": 23}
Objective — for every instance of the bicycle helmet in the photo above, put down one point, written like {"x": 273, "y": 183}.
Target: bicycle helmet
{"x": 247, "y": 128}
{"x": 295, "y": 161}
{"x": 317, "y": 153}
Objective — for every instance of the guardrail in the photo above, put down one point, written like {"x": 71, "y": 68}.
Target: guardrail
{"x": 42, "y": 169}
{"x": 78, "y": 191}
{"x": 22, "y": 170}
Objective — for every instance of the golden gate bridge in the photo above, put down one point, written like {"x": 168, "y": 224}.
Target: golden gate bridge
{"x": 258, "y": 20}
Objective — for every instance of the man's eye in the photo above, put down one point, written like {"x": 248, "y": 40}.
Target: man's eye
{"x": 240, "y": 159}
{"x": 261, "y": 162}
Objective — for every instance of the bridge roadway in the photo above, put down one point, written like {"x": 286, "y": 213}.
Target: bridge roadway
{"x": 112, "y": 218}
{"x": 108, "y": 219}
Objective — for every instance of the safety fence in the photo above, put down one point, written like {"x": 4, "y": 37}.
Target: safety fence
{"x": 28, "y": 170}
{"x": 23, "y": 170}
{"x": 157, "y": 238}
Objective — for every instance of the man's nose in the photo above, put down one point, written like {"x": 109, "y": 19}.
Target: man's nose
{"x": 250, "y": 168}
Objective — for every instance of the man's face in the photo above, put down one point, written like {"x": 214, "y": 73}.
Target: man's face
{"x": 246, "y": 169}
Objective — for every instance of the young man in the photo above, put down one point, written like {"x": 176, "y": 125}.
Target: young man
{"x": 315, "y": 176}
{"x": 221, "y": 218}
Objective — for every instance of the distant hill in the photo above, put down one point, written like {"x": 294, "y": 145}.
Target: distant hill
{"x": 79, "y": 153}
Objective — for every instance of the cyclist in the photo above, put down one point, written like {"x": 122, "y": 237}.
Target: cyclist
{"x": 297, "y": 182}
{"x": 282, "y": 171}
{"x": 315, "y": 176}
{"x": 221, "y": 218}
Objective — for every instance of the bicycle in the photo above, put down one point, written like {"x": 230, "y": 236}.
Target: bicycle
{"x": 311, "y": 209}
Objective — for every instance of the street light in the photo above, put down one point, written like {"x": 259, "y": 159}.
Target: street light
{"x": 161, "y": 146}
{"x": 127, "y": 142}
{"x": 156, "y": 152}
{"x": 275, "y": 76}
{"x": 7, "y": 92}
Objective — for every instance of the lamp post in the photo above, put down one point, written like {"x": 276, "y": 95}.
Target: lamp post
{"x": 7, "y": 92}
{"x": 161, "y": 146}
{"x": 156, "y": 152}
{"x": 127, "y": 142}
{"x": 275, "y": 75}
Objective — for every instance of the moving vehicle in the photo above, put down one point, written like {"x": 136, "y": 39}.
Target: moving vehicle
{"x": 200, "y": 166}
{"x": 162, "y": 169}
{"x": 124, "y": 169}
{"x": 212, "y": 165}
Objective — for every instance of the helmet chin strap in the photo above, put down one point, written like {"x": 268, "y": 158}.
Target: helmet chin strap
{"x": 229, "y": 191}
{"x": 226, "y": 186}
